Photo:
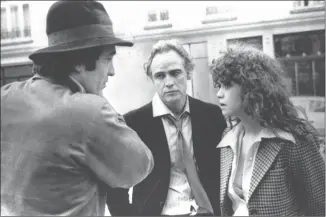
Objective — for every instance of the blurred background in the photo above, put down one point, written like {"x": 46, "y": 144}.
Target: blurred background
{"x": 291, "y": 31}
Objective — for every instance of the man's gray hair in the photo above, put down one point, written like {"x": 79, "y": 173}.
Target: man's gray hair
{"x": 165, "y": 46}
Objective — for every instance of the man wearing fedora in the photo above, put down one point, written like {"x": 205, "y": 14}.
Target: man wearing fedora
{"x": 62, "y": 143}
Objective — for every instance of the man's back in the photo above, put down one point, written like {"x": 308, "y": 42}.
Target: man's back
{"x": 46, "y": 161}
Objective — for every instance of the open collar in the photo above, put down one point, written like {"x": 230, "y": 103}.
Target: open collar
{"x": 160, "y": 109}
{"x": 232, "y": 137}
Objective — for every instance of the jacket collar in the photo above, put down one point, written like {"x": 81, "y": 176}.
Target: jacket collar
{"x": 231, "y": 138}
{"x": 70, "y": 82}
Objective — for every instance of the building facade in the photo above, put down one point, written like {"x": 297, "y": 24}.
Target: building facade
{"x": 292, "y": 31}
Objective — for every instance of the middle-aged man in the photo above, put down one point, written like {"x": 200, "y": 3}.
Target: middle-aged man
{"x": 62, "y": 144}
{"x": 182, "y": 133}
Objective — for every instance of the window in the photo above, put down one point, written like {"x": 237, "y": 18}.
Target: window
{"x": 211, "y": 10}
{"x": 15, "y": 31}
{"x": 164, "y": 15}
{"x": 27, "y": 22}
{"x": 158, "y": 15}
{"x": 303, "y": 58}
{"x": 218, "y": 13}
{"x": 158, "y": 19}
{"x": 301, "y": 6}
{"x": 4, "y": 27}
{"x": 15, "y": 22}
{"x": 152, "y": 16}
{"x": 256, "y": 41}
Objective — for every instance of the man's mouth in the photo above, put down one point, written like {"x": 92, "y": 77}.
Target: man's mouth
{"x": 222, "y": 104}
{"x": 172, "y": 91}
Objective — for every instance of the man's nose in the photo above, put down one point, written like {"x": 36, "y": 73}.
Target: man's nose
{"x": 169, "y": 81}
{"x": 111, "y": 71}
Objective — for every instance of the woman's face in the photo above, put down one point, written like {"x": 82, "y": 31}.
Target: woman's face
{"x": 230, "y": 99}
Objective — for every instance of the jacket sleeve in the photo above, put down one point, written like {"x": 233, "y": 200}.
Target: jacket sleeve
{"x": 114, "y": 152}
{"x": 308, "y": 168}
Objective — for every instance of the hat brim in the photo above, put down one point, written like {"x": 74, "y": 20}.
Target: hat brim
{"x": 79, "y": 45}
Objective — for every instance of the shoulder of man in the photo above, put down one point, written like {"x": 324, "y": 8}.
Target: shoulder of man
{"x": 86, "y": 108}
{"x": 142, "y": 112}
{"x": 86, "y": 102}
{"x": 206, "y": 107}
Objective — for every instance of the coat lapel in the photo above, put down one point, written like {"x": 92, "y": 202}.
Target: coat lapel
{"x": 196, "y": 127}
{"x": 226, "y": 166}
{"x": 159, "y": 143}
{"x": 266, "y": 155}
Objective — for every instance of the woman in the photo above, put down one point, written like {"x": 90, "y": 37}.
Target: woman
{"x": 270, "y": 163}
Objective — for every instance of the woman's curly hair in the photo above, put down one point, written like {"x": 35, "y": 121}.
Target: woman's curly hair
{"x": 265, "y": 97}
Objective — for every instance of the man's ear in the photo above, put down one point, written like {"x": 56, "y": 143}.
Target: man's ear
{"x": 80, "y": 68}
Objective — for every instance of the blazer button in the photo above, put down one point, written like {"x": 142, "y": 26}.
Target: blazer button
{"x": 253, "y": 212}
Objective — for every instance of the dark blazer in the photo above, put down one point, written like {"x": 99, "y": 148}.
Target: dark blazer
{"x": 149, "y": 196}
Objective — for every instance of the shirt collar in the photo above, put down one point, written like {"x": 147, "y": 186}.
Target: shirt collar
{"x": 232, "y": 137}
{"x": 160, "y": 109}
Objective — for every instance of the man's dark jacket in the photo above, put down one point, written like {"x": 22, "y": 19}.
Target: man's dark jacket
{"x": 149, "y": 196}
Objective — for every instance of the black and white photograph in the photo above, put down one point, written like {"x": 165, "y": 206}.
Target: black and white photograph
{"x": 163, "y": 108}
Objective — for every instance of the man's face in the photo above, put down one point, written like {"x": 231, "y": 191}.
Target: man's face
{"x": 95, "y": 80}
{"x": 170, "y": 78}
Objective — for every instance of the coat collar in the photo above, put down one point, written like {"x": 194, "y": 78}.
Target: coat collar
{"x": 232, "y": 137}
{"x": 70, "y": 82}
{"x": 266, "y": 155}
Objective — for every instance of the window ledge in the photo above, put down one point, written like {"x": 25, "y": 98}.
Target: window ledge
{"x": 217, "y": 19}
{"x": 307, "y": 9}
{"x": 18, "y": 41}
{"x": 157, "y": 25}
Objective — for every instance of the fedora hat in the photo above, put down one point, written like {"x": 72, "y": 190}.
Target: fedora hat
{"x": 75, "y": 25}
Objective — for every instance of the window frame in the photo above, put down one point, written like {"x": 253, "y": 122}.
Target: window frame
{"x": 21, "y": 25}
{"x": 224, "y": 12}
{"x": 313, "y": 5}
{"x": 158, "y": 23}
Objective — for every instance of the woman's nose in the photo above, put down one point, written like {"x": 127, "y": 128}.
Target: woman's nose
{"x": 219, "y": 94}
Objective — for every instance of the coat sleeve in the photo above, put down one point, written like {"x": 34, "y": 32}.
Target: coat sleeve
{"x": 308, "y": 168}
{"x": 118, "y": 202}
{"x": 114, "y": 152}
{"x": 118, "y": 198}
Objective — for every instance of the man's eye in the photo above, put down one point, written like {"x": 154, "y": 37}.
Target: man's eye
{"x": 159, "y": 76}
{"x": 175, "y": 73}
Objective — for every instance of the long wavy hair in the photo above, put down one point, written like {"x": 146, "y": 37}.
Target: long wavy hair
{"x": 265, "y": 96}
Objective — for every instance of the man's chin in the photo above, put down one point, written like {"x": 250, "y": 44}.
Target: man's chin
{"x": 172, "y": 100}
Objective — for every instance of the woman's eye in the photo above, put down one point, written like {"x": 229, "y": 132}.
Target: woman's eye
{"x": 218, "y": 86}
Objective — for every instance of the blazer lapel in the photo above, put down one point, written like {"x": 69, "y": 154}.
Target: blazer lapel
{"x": 196, "y": 125}
{"x": 226, "y": 166}
{"x": 266, "y": 155}
{"x": 160, "y": 142}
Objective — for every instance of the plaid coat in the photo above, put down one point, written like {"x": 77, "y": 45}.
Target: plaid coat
{"x": 288, "y": 180}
